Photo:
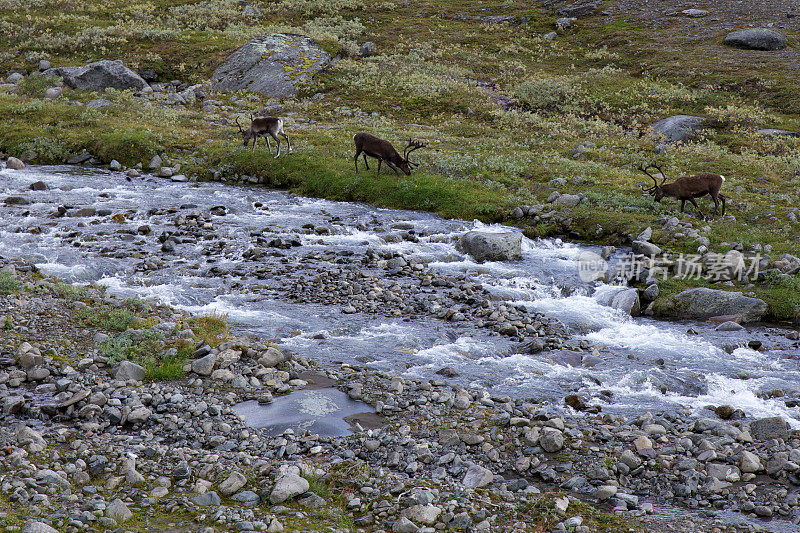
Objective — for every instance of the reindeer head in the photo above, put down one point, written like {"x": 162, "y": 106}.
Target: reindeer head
{"x": 655, "y": 191}
{"x": 406, "y": 165}
{"x": 247, "y": 134}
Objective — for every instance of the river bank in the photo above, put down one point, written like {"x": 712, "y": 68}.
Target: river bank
{"x": 91, "y": 442}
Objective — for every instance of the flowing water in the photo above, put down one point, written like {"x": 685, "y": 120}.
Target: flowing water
{"x": 640, "y": 364}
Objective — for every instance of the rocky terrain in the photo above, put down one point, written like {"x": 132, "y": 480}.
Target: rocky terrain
{"x": 89, "y": 441}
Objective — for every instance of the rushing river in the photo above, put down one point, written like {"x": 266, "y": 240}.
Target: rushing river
{"x": 638, "y": 364}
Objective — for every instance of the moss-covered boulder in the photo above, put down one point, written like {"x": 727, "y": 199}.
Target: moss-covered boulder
{"x": 273, "y": 65}
{"x": 703, "y": 303}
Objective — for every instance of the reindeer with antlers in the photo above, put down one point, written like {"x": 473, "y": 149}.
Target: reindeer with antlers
{"x": 264, "y": 127}
{"x": 686, "y": 188}
{"x": 382, "y": 150}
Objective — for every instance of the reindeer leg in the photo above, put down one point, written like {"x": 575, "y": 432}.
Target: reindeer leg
{"x": 253, "y": 149}
{"x": 697, "y": 208}
{"x": 279, "y": 144}
{"x": 716, "y": 205}
{"x": 721, "y": 197}
{"x": 683, "y": 204}
{"x": 393, "y": 167}
{"x": 355, "y": 159}
{"x": 365, "y": 161}
{"x": 269, "y": 146}
{"x": 287, "y": 141}
{"x": 379, "y": 167}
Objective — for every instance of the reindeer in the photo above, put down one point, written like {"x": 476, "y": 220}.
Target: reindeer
{"x": 383, "y": 150}
{"x": 264, "y": 127}
{"x": 686, "y": 188}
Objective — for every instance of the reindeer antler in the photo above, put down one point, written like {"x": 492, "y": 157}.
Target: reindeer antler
{"x": 413, "y": 145}
{"x": 655, "y": 181}
{"x": 663, "y": 175}
{"x": 239, "y": 125}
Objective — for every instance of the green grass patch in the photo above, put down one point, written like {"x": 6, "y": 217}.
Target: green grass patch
{"x": 106, "y": 317}
{"x": 161, "y": 360}
{"x": 9, "y": 284}
{"x": 210, "y": 329}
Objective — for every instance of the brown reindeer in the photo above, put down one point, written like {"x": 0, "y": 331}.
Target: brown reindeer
{"x": 383, "y": 150}
{"x": 687, "y": 188}
{"x": 264, "y": 127}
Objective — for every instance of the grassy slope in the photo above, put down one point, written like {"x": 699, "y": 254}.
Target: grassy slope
{"x": 604, "y": 83}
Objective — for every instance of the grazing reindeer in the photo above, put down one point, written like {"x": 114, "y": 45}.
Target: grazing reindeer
{"x": 383, "y": 150}
{"x": 687, "y": 188}
{"x": 264, "y": 127}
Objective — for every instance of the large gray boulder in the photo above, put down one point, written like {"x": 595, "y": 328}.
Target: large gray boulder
{"x": 677, "y": 128}
{"x": 757, "y": 39}
{"x": 99, "y": 76}
{"x": 579, "y": 9}
{"x": 273, "y": 65}
{"x": 703, "y": 303}
{"x": 489, "y": 246}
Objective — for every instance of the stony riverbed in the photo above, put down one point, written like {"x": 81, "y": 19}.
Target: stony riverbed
{"x": 466, "y": 366}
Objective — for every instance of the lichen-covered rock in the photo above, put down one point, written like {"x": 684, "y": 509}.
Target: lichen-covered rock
{"x": 273, "y": 65}
{"x": 99, "y": 76}
{"x": 677, "y": 128}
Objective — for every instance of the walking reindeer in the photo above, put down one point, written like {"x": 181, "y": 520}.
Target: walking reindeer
{"x": 686, "y": 188}
{"x": 264, "y": 127}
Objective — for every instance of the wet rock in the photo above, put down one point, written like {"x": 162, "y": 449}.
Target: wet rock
{"x": 769, "y": 428}
{"x": 17, "y": 200}
{"x": 448, "y": 372}
{"x": 273, "y": 65}
{"x": 677, "y": 128}
{"x": 627, "y": 301}
{"x": 725, "y": 412}
{"x": 757, "y": 39}
{"x": 489, "y": 246}
{"x": 99, "y": 76}
{"x": 703, "y": 303}
{"x": 14, "y": 164}
{"x": 39, "y": 186}
{"x": 729, "y": 326}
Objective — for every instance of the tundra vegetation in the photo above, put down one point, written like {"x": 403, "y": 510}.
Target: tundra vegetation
{"x": 504, "y": 110}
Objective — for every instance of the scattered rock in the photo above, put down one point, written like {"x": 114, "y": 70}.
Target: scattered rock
{"x": 703, "y": 303}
